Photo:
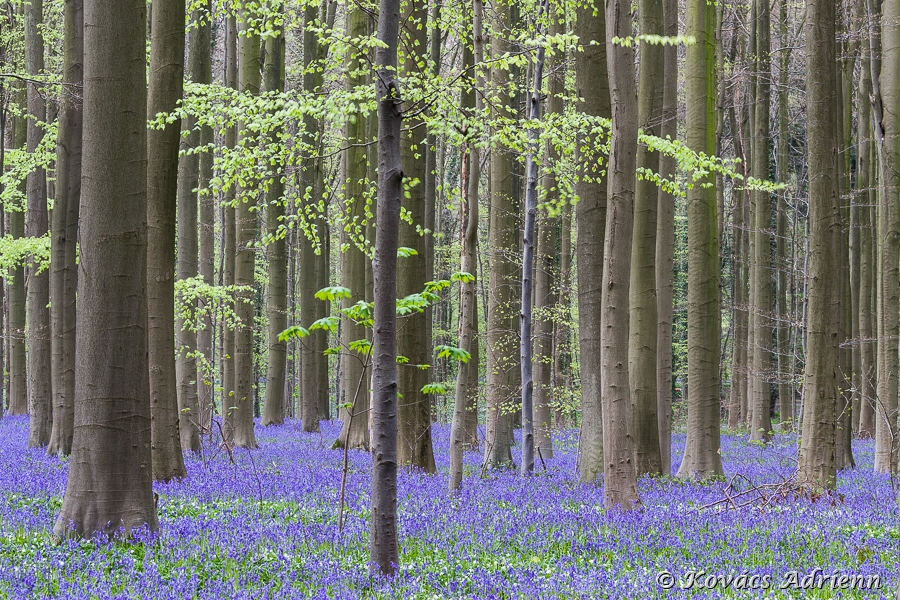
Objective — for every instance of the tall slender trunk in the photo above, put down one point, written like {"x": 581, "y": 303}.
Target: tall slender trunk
{"x": 40, "y": 401}
{"x": 701, "y": 455}
{"x": 309, "y": 188}
{"x": 544, "y": 296}
{"x": 593, "y": 93}
{"x": 18, "y": 380}
{"x": 187, "y": 265}
{"x": 110, "y": 481}
{"x": 354, "y": 428}
{"x": 244, "y": 236}
{"x": 228, "y": 245}
{"x": 760, "y": 243}
{"x": 783, "y": 332}
{"x": 620, "y": 475}
{"x": 383, "y": 549}
{"x": 65, "y": 233}
{"x": 822, "y": 378}
{"x": 466, "y": 394}
{"x": 665, "y": 243}
{"x": 276, "y": 299}
{"x": 864, "y": 200}
{"x": 414, "y": 339}
{"x": 166, "y": 82}
{"x": 886, "y": 87}
{"x": 533, "y": 112}
{"x": 643, "y": 303}
{"x": 204, "y": 375}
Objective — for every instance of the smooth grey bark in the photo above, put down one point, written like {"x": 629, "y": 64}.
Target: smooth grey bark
{"x": 701, "y": 456}
{"x": 228, "y": 243}
{"x": 244, "y": 236}
{"x": 544, "y": 297}
{"x": 354, "y": 421}
{"x": 886, "y": 92}
{"x": 783, "y": 330}
{"x": 864, "y": 200}
{"x": 187, "y": 375}
{"x": 109, "y": 485}
{"x": 311, "y": 387}
{"x": 383, "y": 548}
{"x": 166, "y": 86}
{"x": 665, "y": 243}
{"x": 276, "y": 298}
{"x": 760, "y": 243}
{"x": 65, "y": 233}
{"x": 40, "y": 394}
{"x": 592, "y": 81}
{"x": 643, "y": 302}
{"x": 526, "y": 306}
{"x": 502, "y": 314}
{"x": 466, "y": 392}
{"x": 620, "y": 475}
{"x": 816, "y": 465}
{"x": 414, "y": 338}
{"x": 207, "y": 217}
{"x": 18, "y": 379}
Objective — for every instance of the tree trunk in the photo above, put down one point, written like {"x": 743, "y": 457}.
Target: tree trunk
{"x": 276, "y": 299}
{"x": 643, "y": 303}
{"x": 544, "y": 297}
{"x": 620, "y": 475}
{"x": 593, "y": 94}
{"x": 665, "y": 243}
{"x": 383, "y": 549}
{"x": 414, "y": 339}
{"x": 205, "y": 371}
{"x": 18, "y": 380}
{"x": 65, "y": 231}
{"x": 864, "y": 200}
{"x": 40, "y": 401}
{"x": 309, "y": 311}
{"x": 228, "y": 233}
{"x": 886, "y": 88}
{"x": 110, "y": 482}
{"x": 822, "y": 378}
{"x": 783, "y": 332}
{"x": 466, "y": 395}
{"x": 354, "y": 429}
{"x": 166, "y": 81}
{"x": 531, "y": 181}
{"x": 244, "y": 236}
{"x": 701, "y": 455}
{"x": 186, "y": 364}
{"x": 760, "y": 243}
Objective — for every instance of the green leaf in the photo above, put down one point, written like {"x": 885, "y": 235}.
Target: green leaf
{"x": 364, "y": 347}
{"x": 329, "y": 324}
{"x": 295, "y": 331}
{"x": 463, "y": 277}
{"x": 453, "y": 353}
{"x": 334, "y": 292}
{"x": 434, "y": 388}
{"x": 404, "y": 252}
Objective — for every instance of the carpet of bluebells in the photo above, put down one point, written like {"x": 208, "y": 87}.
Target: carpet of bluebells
{"x": 266, "y": 527}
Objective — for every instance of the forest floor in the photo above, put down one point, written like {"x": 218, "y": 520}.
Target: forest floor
{"x": 266, "y": 527}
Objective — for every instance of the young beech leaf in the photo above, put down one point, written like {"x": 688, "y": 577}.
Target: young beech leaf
{"x": 295, "y": 331}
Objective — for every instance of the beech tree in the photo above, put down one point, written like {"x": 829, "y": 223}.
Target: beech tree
{"x": 383, "y": 549}
{"x": 109, "y": 485}
{"x": 593, "y": 94}
{"x": 816, "y": 464}
{"x": 701, "y": 455}
{"x": 165, "y": 90}
{"x": 40, "y": 404}
{"x": 65, "y": 232}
